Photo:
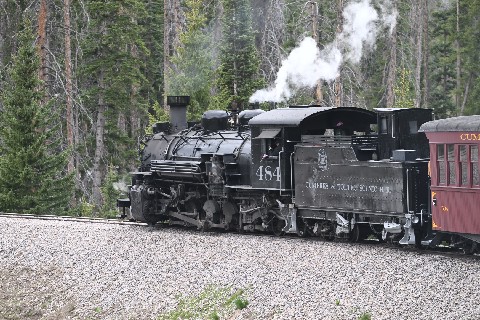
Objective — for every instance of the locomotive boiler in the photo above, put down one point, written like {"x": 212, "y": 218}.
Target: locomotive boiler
{"x": 344, "y": 173}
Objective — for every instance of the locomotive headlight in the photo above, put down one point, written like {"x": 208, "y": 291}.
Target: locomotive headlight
{"x": 415, "y": 220}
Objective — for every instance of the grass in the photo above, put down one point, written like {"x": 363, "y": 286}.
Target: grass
{"x": 213, "y": 303}
{"x": 365, "y": 316}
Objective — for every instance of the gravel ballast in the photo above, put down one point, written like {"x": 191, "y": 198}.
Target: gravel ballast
{"x": 60, "y": 269}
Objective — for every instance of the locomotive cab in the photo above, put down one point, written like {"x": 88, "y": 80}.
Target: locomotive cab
{"x": 271, "y": 151}
{"x": 276, "y": 133}
{"x": 398, "y": 129}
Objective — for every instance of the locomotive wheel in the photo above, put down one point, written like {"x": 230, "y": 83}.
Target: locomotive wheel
{"x": 277, "y": 226}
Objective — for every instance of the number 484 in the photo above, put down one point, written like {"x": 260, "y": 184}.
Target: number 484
{"x": 266, "y": 173}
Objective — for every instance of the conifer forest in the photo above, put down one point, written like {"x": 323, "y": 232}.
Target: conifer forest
{"x": 81, "y": 81}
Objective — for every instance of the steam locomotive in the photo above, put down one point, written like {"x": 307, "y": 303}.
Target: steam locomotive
{"x": 335, "y": 173}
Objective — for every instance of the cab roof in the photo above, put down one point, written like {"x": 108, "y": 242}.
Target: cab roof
{"x": 292, "y": 117}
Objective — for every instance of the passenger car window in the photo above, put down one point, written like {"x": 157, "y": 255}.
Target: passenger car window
{"x": 474, "y": 165}
{"x": 441, "y": 163}
{"x": 451, "y": 164}
{"x": 463, "y": 165}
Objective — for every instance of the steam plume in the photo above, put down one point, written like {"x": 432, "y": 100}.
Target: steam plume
{"x": 307, "y": 64}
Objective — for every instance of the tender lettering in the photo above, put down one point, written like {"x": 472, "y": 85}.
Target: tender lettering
{"x": 348, "y": 187}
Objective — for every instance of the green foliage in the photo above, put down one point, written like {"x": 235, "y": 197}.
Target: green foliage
{"x": 365, "y": 316}
{"x": 212, "y": 303}
{"x": 157, "y": 114}
{"x": 110, "y": 194}
{"x": 193, "y": 70}
{"x": 84, "y": 208}
{"x": 112, "y": 73}
{"x": 240, "y": 303}
{"x": 403, "y": 90}
{"x": 152, "y": 35}
{"x": 32, "y": 162}
{"x": 470, "y": 53}
{"x": 238, "y": 74}
{"x": 442, "y": 63}
{"x": 337, "y": 302}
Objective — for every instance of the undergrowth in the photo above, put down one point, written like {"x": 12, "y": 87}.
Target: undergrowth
{"x": 213, "y": 303}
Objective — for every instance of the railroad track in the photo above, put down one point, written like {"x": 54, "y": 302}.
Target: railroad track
{"x": 447, "y": 252}
{"x": 69, "y": 218}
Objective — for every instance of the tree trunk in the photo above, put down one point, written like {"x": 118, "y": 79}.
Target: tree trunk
{"x": 338, "y": 90}
{"x": 166, "y": 48}
{"x": 68, "y": 85}
{"x": 318, "y": 88}
{"x": 392, "y": 70}
{"x": 172, "y": 29}
{"x": 465, "y": 94}
{"x": 426, "y": 55}
{"x": 99, "y": 146}
{"x": 42, "y": 41}
{"x": 419, "y": 54}
{"x": 458, "y": 63}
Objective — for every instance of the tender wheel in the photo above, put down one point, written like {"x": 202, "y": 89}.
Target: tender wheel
{"x": 277, "y": 226}
{"x": 357, "y": 234}
{"x": 302, "y": 228}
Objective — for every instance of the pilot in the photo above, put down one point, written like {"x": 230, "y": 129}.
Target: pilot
{"x": 274, "y": 150}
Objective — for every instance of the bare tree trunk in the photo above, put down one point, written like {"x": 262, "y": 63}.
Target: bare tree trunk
{"x": 338, "y": 88}
{"x": 465, "y": 94}
{"x": 419, "y": 54}
{"x": 318, "y": 88}
{"x": 99, "y": 146}
{"x": 458, "y": 63}
{"x": 173, "y": 24}
{"x": 68, "y": 84}
{"x": 42, "y": 40}
{"x": 426, "y": 55}
{"x": 166, "y": 48}
{"x": 42, "y": 37}
{"x": 392, "y": 70}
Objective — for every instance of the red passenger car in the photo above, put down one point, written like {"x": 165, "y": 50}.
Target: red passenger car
{"x": 455, "y": 182}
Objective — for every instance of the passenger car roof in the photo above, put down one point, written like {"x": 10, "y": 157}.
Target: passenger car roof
{"x": 464, "y": 123}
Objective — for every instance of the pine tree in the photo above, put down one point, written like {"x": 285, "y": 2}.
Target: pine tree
{"x": 470, "y": 42}
{"x": 32, "y": 165}
{"x": 442, "y": 63}
{"x": 153, "y": 39}
{"x": 114, "y": 80}
{"x": 192, "y": 73}
{"x": 238, "y": 72}
{"x": 404, "y": 96}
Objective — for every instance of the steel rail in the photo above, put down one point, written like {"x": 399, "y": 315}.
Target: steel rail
{"x": 69, "y": 218}
{"x": 443, "y": 251}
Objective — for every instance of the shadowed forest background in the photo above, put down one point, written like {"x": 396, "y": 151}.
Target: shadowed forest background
{"x": 103, "y": 69}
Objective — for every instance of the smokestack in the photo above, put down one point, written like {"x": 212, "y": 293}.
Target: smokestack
{"x": 178, "y": 112}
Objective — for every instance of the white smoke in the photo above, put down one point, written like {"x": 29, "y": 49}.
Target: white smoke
{"x": 307, "y": 64}
{"x": 303, "y": 67}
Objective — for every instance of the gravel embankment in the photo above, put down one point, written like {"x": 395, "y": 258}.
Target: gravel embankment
{"x": 57, "y": 270}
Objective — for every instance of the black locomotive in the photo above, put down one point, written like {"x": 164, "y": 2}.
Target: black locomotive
{"x": 344, "y": 173}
